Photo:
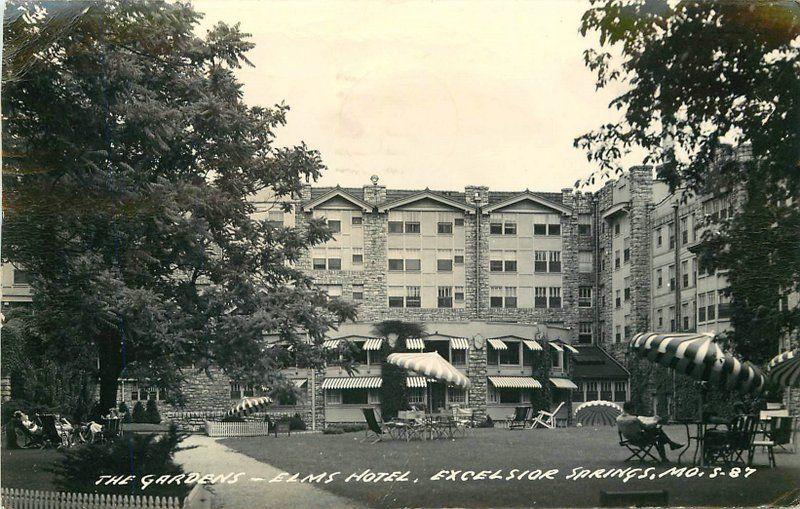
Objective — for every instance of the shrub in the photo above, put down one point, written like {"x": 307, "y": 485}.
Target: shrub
{"x": 124, "y": 412}
{"x": 139, "y": 414}
{"x": 353, "y": 428}
{"x": 297, "y": 423}
{"x": 232, "y": 418}
{"x": 333, "y": 430}
{"x": 488, "y": 423}
{"x": 151, "y": 413}
{"x": 80, "y": 467}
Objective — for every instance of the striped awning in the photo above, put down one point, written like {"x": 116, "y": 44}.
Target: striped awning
{"x": 373, "y": 344}
{"x": 299, "y": 382}
{"x": 515, "y": 382}
{"x": 563, "y": 383}
{"x": 352, "y": 382}
{"x": 497, "y": 344}
{"x": 556, "y": 346}
{"x": 416, "y": 382}
{"x": 532, "y": 345}
{"x": 430, "y": 364}
{"x": 459, "y": 343}
{"x": 247, "y": 406}
{"x": 784, "y": 369}
{"x": 331, "y": 343}
{"x": 415, "y": 344}
{"x": 570, "y": 348}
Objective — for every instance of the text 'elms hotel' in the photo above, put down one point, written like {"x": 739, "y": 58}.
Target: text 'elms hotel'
{"x": 497, "y": 278}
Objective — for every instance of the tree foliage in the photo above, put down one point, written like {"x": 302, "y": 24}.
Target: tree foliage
{"x": 394, "y": 390}
{"x": 129, "y": 159}
{"x": 695, "y": 75}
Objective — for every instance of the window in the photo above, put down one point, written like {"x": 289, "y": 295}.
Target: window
{"x": 412, "y": 227}
{"x": 694, "y": 228}
{"x": 458, "y": 294}
{"x": 555, "y": 358}
{"x": 496, "y": 265}
{"x": 496, "y": 297}
{"x": 412, "y": 297}
{"x": 659, "y": 278}
{"x": 511, "y": 355}
{"x": 684, "y": 230}
{"x": 21, "y": 277}
{"x": 319, "y": 263}
{"x": 555, "y": 297}
{"x": 701, "y": 308}
{"x": 540, "y": 297}
{"x": 275, "y": 218}
{"x": 456, "y": 395}
{"x": 602, "y": 255}
{"x": 459, "y": 221}
{"x": 395, "y": 227}
{"x": 540, "y": 261}
{"x": 238, "y": 391}
{"x": 585, "y": 332}
{"x": 659, "y": 237}
{"x": 711, "y": 310}
{"x": 724, "y": 307}
{"x": 616, "y": 260}
{"x": 626, "y": 253}
{"x": 584, "y": 296}
{"x": 660, "y": 317}
{"x": 672, "y": 318}
{"x": 554, "y": 229}
{"x": 510, "y": 228}
{"x": 458, "y": 357}
{"x": 511, "y": 297}
{"x": 584, "y": 225}
{"x": 671, "y": 277}
{"x": 358, "y": 292}
{"x": 445, "y": 297}
{"x": 332, "y": 290}
{"x": 510, "y": 265}
{"x": 616, "y": 229}
{"x": 555, "y": 261}
{"x": 334, "y": 264}
{"x": 358, "y": 258}
{"x": 444, "y": 228}
{"x": 671, "y": 230}
{"x": 444, "y": 265}
{"x": 618, "y": 300}
{"x": 627, "y": 289}
{"x": 335, "y": 226}
{"x": 585, "y": 262}
{"x": 395, "y": 264}
{"x": 539, "y": 229}
{"x": 685, "y": 315}
{"x": 685, "y": 273}
{"x": 617, "y": 333}
{"x": 620, "y": 390}
{"x": 355, "y": 397}
{"x": 458, "y": 259}
{"x": 356, "y": 220}
{"x": 333, "y": 397}
{"x": 416, "y": 396}
{"x": 413, "y": 264}
{"x": 496, "y": 228}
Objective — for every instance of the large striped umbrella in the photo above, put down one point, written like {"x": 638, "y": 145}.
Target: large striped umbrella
{"x": 784, "y": 369}
{"x": 698, "y": 356}
{"x": 430, "y": 364}
{"x": 247, "y": 406}
{"x": 597, "y": 413}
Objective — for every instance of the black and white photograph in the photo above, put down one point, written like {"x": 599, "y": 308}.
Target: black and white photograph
{"x": 400, "y": 254}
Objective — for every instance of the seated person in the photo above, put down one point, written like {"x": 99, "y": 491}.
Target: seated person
{"x": 644, "y": 430}
{"x": 28, "y": 423}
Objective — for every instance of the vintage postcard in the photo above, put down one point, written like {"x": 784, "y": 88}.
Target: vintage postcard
{"x": 390, "y": 254}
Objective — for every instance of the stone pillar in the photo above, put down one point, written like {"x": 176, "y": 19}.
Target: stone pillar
{"x": 5, "y": 388}
{"x": 569, "y": 264}
{"x": 374, "y": 194}
{"x": 476, "y": 253}
{"x": 375, "y": 303}
{"x": 315, "y": 385}
{"x": 476, "y": 370}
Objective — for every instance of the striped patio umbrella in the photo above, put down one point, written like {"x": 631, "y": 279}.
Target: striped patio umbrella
{"x": 698, "y": 356}
{"x": 247, "y": 406}
{"x": 597, "y": 413}
{"x": 430, "y": 364}
{"x": 784, "y": 369}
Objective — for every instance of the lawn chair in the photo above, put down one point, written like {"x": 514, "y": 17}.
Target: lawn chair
{"x": 464, "y": 420}
{"x": 411, "y": 424}
{"x": 54, "y": 434}
{"x": 779, "y": 434}
{"x": 546, "y": 419}
{"x": 521, "y": 418}
{"x": 376, "y": 428}
{"x": 640, "y": 446}
{"x": 26, "y": 438}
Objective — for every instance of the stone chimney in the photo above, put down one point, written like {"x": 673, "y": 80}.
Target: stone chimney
{"x": 477, "y": 195}
{"x": 374, "y": 193}
{"x": 305, "y": 193}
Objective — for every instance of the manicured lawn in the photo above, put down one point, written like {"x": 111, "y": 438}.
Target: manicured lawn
{"x": 500, "y": 449}
{"x": 143, "y": 427}
{"x": 25, "y": 468}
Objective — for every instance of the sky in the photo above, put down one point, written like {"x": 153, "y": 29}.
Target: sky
{"x": 426, "y": 94}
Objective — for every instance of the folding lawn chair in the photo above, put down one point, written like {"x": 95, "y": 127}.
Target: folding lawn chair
{"x": 640, "y": 447}
{"x": 375, "y": 427}
{"x": 521, "y": 418}
{"x": 778, "y": 435}
{"x": 546, "y": 419}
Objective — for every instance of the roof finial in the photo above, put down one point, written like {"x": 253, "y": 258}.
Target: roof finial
{"x": 374, "y": 180}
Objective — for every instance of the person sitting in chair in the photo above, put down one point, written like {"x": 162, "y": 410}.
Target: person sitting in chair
{"x": 639, "y": 429}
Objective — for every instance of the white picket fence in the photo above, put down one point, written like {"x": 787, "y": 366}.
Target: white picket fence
{"x": 237, "y": 429}
{"x": 11, "y": 498}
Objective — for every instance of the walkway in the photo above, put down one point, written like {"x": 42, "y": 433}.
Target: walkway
{"x": 211, "y": 457}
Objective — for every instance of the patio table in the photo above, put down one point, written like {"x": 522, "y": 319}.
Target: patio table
{"x": 700, "y": 427}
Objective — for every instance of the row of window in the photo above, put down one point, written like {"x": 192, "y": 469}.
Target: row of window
{"x": 446, "y": 296}
{"x": 539, "y": 229}
{"x": 413, "y": 227}
{"x": 606, "y": 390}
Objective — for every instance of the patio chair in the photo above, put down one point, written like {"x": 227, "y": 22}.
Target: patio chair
{"x": 640, "y": 446}
{"x": 411, "y": 424}
{"x": 521, "y": 418}
{"x": 546, "y": 419}
{"x": 375, "y": 427}
{"x": 740, "y": 440}
{"x": 464, "y": 420}
{"x": 25, "y": 438}
{"x": 779, "y": 434}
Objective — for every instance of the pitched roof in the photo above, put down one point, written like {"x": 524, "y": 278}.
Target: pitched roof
{"x": 450, "y": 200}
{"x": 337, "y": 191}
{"x": 592, "y": 362}
{"x": 542, "y": 199}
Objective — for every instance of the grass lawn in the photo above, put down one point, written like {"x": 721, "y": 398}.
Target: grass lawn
{"x": 500, "y": 449}
{"x": 145, "y": 427}
{"x": 25, "y": 468}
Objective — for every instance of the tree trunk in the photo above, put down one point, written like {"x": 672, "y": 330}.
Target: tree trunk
{"x": 110, "y": 369}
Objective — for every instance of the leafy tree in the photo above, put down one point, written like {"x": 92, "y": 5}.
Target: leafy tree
{"x": 139, "y": 413}
{"x": 129, "y": 157}
{"x": 394, "y": 391}
{"x": 695, "y": 75}
{"x": 124, "y": 412}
